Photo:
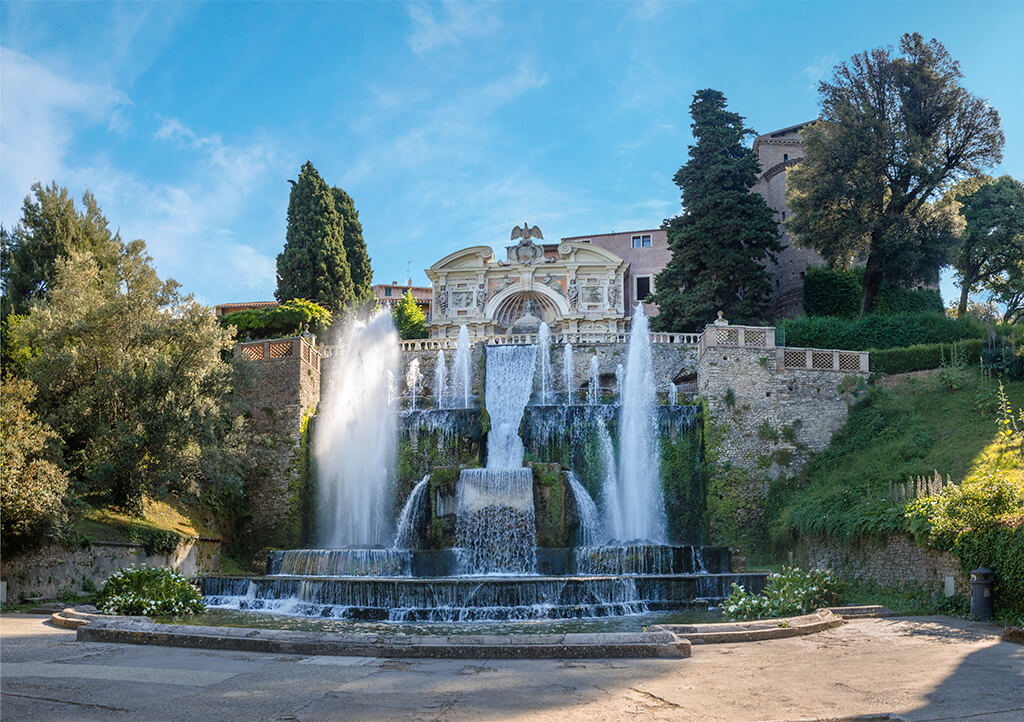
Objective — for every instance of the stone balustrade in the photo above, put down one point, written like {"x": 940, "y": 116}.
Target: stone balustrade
{"x": 817, "y": 359}
{"x": 280, "y": 348}
{"x": 558, "y": 339}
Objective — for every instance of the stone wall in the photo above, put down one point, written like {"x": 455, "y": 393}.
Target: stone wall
{"x": 893, "y": 561}
{"x": 285, "y": 393}
{"x": 55, "y": 570}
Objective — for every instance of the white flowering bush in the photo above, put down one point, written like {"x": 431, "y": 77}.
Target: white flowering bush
{"x": 789, "y": 592}
{"x": 149, "y": 590}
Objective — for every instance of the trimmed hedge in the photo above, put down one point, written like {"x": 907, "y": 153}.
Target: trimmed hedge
{"x": 922, "y": 356}
{"x": 838, "y": 294}
{"x": 879, "y": 332}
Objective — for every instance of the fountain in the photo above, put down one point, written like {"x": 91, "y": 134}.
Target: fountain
{"x": 673, "y": 394}
{"x": 485, "y": 531}
{"x": 460, "y": 368}
{"x": 620, "y": 373}
{"x": 567, "y": 371}
{"x": 441, "y": 399}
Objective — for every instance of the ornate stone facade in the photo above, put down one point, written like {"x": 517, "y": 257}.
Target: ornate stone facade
{"x": 573, "y": 287}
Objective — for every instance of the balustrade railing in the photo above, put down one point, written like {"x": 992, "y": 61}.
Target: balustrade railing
{"x": 818, "y": 359}
{"x": 557, "y": 339}
{"x": 280, "y": 348}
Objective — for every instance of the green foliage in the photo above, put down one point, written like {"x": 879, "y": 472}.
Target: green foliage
{"x": 788, "y": 593}
{"x": 720, "y": 241}
{"x": 729, "y": 398}
{"x": 835, "y": 293}
{"x": 896, "y": 131}
{"x": 51, "y": 229}
{"x": 130, "y": 377}
{"x": 149, "y": 590}
{"x": 355, "y": 249}
{"x": 879, "y": 332}
{"x": 954, "y": 368}
{"x": 410, "y": 320}
{"x": 906, "y": 599}
{"x": 767, "y": 432}
{"x": 32, "y": 485}
{"x": 285, "y": 320}
{"x": 992, "y": 243}
{"x": 314, "y": 264}
{"x": 922, "y": 356}
{"x": 683, "y": 484}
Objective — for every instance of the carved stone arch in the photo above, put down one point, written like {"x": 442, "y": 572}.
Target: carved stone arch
{"x": 545, "y": 296}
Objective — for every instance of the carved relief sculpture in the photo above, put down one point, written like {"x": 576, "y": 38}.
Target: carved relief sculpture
{"x": 614, "y": 285}
{"x": 442, "y": 300}
{"x": 481, "y": 298}
{"x": 574, "y": 295}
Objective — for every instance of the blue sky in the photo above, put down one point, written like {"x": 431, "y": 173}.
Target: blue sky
{"x": 448, "y": 123}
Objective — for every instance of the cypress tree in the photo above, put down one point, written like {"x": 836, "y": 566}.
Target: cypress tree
{"x": 355, "y": 248}
{"x": 725, "y": 232}
{"x": 313, "y": 264}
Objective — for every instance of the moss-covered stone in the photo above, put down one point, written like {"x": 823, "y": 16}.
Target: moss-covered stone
{"x": 550, "y": 507}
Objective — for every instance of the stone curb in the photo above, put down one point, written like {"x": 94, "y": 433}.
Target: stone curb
{"x": 756, "y": 631}
{"x": 654, "y": 643}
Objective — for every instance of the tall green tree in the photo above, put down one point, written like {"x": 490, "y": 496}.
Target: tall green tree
{"x": 897, "y": 130}
{"x": 410, "y": 320}
{"x": 313, "y": 264}
{"x": 130, "y": 376}
{"x": 725, "y": 233}
{"x": 992, "y": 242}
{"x": 355, "y": 249}
{"x": 1007, "y": 289}
{"x": 51, "y": 228}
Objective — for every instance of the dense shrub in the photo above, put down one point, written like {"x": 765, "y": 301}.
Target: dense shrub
{"x": 924, "y": 356}
{"x": 281, "y": 321}
{"x": 788, "y": 593}
{"x": 838, "y": 294}
{"x": 879, "y": 332}
{"x": 149, "y": 590}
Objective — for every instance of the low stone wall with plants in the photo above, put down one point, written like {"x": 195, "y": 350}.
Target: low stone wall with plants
{"x": 893, "y": 561}
{"x": 55, "y": 571}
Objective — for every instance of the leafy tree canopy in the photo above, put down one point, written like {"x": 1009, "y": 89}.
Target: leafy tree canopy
{"x": 410, "y": 320}
{"x": 313, "y": 264}
{"x": 725, "y": 232}
{"x": 51, "y": 228}
{"x": 355, "y": 249}
{"x": 282, "y": 321}
{"x": 992, "y": 243}
{"x": 896, "y": 131}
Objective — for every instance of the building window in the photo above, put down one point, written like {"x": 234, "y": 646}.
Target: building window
{"x": 642, "y": 287}
{"x": 785, "y": 157}
{"x": 643, "y": 241}
{"x": 387, "y": 291}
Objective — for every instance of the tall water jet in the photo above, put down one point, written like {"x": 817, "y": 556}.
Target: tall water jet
{"x": 357, "y": 436}
{"x": 589, "y": 533}
{"x": 544, "y": 361}
{"x": 462, "y": 381}
{"x": 567, "y": 371}
{"x": 413, "y": 378}
{"x": 620, "y": 373}
{"x": 440, "y": 382}
{"x": 405, "y": 530}
{"x": 673, "y": 394}
{"x": 614, "y": 523}
{"x": 508, "y": 386}
{"x": 640, "y": 495}
{"x": 594, "y": 387}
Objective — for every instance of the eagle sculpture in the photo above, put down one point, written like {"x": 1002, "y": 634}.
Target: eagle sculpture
{"x": 526, "y": 233}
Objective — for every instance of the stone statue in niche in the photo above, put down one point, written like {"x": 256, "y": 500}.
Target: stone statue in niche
{"x": 526, "y": 251}
{"x": 481, "y": 298}
{"x": 442, "y": 300}
{"x": 613, "y": 292}
{"x": 574, "y": 295}
{"x": 552, "y": 283}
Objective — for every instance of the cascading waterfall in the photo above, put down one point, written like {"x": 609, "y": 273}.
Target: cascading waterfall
{"x": 508, "y": 386}
{"x": 405, "y": 531}
{"x": 594, "y": 387}
{"x": 462, "y": 381}
{"x": 567, "y": 371}
{"x": 441, "y": 399}
{"x": 639, "y": 490}
{"x": 590, "y": 532}
{"x": 356, "y": 437}
{"x": 413, "y": 377}
{"x": 544, "y": 361}
{"x": 494, "y": 524}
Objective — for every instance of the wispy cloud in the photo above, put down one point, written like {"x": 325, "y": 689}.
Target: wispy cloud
{"x": 819, "y": 70}
{"x": 647, "y": 9}
{"x": 452, "y": 23}
{"x": 41, "y": 112}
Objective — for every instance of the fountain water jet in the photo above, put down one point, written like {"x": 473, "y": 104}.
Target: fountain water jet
{"x": 405, "y": 531}
{"x": 590, "y": 532}
{"x": 356, "y": 489}
{"x": 441, "y": 399}
{"x": 594, "y": 387}
{"x": 460, "y": 369}
{"x": 567, "y": 371}
{"x": 544, "y": 361}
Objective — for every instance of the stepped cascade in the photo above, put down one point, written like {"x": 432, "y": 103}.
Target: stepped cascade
{"x": 520, "y": 505}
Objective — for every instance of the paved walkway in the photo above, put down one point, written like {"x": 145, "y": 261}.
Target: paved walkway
{"x": 919, "y": 668}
